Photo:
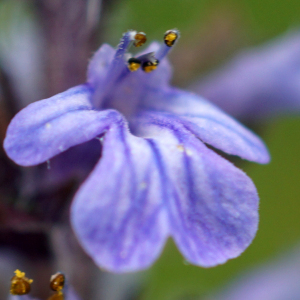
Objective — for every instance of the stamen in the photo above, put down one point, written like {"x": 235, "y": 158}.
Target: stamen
{"x": 126, "y": 41}
{"x": 134, "y": 64}
{"x": 150, "y": 66}
{"x": 117, "y": 67}
{"x": 140, "y": 39}
{"x": 57, "y": 282}
{"x": 20, "y": 285}
{"x": 171, "y": 37}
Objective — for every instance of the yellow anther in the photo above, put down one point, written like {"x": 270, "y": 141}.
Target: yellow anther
{"x": 19, "y": 273}
{"x": 150, "y": 66}
{"x": 170, "y": 37}
{"x": 20, "y": 285}
{"x": 57, "y": 282}
{"x": 134, "y": 64}
{"x": 140, "y": 39}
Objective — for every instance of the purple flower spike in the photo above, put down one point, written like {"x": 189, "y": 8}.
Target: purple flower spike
{"x": 156, "y": 178}
{"x": 259, "y": 82}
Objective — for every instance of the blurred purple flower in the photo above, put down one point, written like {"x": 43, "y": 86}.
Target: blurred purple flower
{"x": 277, "y": 280}
{"x": 156, "y": 178}
{"x": 259, "y": 82}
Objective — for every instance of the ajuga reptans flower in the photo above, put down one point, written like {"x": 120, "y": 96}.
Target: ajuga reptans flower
{"x": 156, "y": 177}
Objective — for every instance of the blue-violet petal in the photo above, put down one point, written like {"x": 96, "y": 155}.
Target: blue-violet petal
{"x": 48, "y": 127}
{"x": 118, "y": 214}
{"x": 202, "y": 119}
{"x": 212, "y": 205}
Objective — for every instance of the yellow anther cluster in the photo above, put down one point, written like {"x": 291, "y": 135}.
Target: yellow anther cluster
{"x": 140, "y": 39}
{"x": 20, "y": 285}
{"x": 170, "y": 37}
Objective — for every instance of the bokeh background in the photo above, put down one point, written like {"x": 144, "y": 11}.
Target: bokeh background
{"x": 212, "y": 31}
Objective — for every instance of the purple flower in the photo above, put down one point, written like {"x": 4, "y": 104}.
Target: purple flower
{"x": 259, "y": 82}
{"x": 156, "y": 177}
